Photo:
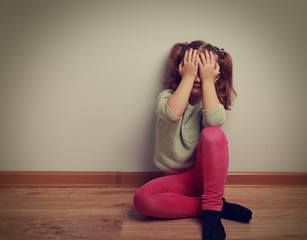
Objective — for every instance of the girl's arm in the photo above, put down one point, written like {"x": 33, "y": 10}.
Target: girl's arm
{"x": 188, "y": 70}
{"x": 209, "y": 73}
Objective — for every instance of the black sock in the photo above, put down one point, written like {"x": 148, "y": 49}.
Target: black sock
{"x": 212, "y": 226}
{"x": 235, "y": 212}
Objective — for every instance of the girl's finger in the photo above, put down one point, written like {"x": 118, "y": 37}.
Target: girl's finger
{"x": 194, "y": 55}
{"x": 211, "y": 57}
{"x": 207, "y": 56}
{"x": 197, "y": 60}
{"x": 180, "y": 66}
{"x": 185, "y": 58}
{"x": 217, "y": 67}
{"x": 190, "y": 54}
{"x": 202, "y": 58}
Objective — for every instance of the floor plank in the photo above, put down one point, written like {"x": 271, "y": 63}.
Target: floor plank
{"x": 278, "y": 213}
{"x": 107, "y": 213}
{"x": 9, "y": 197}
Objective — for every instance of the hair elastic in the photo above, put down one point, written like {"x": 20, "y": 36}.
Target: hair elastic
{"x": 220, "y": 52}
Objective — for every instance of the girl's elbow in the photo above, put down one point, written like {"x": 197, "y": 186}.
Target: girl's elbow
{"x": 214, "y": 123}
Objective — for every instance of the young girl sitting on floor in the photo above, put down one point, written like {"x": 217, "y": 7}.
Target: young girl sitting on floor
{"x": 190, "y": 147}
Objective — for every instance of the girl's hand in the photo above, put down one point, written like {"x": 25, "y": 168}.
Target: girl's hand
{"x": 208, "y": 67}
{"x": 188, "y": 68}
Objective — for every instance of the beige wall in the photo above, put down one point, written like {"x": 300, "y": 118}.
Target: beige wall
{"x": 79, "y": 81}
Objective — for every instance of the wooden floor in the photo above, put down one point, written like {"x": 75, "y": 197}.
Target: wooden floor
{"x": 108, "y": 213}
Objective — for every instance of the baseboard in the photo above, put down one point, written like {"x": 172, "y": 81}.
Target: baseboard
{"x": 135, "y": 179}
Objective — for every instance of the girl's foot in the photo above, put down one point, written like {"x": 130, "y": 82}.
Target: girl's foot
{"x": 235, "y": 212}
{"x": 212, "y": 226}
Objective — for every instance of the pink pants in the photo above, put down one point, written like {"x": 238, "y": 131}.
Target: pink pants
{"x": 188, "y": 193}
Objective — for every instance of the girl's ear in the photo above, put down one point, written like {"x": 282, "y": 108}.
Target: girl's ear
{"x": 217, "y": 77}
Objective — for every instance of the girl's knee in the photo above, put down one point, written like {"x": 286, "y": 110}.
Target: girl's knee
{"x": 213, "y": 135}
{"x": 143, "y": 198}
{"x": 139, "y": 200}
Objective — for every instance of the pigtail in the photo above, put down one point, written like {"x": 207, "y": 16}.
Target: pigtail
{"x": 174, "y": 77}
{"x": 224, "y": 86}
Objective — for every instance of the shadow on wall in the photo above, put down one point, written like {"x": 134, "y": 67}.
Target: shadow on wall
{"x": 149, "y": 137}
{"x": 148, "y": 150}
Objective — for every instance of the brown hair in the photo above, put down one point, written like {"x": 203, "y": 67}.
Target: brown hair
{"x": 224, "y": 87}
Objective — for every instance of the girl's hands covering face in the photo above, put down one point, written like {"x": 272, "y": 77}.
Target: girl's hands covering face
{"x": 188, "y": 68}
{"x": 208, "y": 67}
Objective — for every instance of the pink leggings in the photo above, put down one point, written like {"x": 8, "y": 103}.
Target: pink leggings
{"x": 188, "y": 193}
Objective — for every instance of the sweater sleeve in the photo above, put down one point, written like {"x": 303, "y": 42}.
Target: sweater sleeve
{"x": 163, "y": 109}
{"x": 213, "y": 117}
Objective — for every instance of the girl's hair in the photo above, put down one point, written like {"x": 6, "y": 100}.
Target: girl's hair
{"x": 224, "y": 87}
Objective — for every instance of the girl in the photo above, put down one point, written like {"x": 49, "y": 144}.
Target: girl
{"x": 190, "y": 147}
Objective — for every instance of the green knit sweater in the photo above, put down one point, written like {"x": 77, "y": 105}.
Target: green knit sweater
{"x": 177, "y": 138}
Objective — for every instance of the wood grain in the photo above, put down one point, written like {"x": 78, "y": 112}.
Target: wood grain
{"x": 279, "y": 213}
{"x": 135, "y": 179}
